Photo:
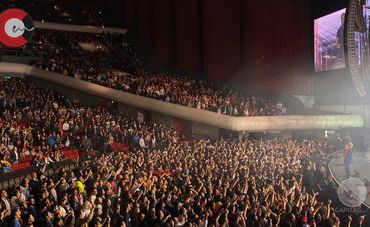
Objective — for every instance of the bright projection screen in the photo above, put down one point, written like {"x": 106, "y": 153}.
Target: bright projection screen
{"x": 328, "y": 46}
{"x": 329, "y": 39}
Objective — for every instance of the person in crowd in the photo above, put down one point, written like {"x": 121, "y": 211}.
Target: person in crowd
{"x": 5, "y": 206}
{"x": 16, "y": 220}
{"x": 347, "y": 154}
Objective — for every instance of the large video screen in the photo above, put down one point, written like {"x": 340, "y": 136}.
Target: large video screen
{"x": 329, "y": 37}
{"x": 328, "y": 46}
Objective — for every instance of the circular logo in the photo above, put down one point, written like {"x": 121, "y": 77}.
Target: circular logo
{"x": 16, "y": 27}
{"x": 352, "y": 192}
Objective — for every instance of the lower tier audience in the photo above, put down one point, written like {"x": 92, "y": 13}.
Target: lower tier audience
{"x": 42, "y": 123}
{"x": 157, "y": 182}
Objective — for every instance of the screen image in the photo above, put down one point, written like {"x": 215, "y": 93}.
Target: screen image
{"x": 328, "y": 38}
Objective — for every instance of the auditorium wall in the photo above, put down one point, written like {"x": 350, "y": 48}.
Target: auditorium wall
{"x": 69, "y": 92}
{"x": 258, "y": 42}
{"x": 129, "y": 110}
{"x": 161, "y": 118}
{"x": 202, "y": 131}
{"x": 276, "y": 45}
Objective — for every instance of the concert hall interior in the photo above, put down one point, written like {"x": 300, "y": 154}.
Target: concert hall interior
{"x": 185, "y": 113}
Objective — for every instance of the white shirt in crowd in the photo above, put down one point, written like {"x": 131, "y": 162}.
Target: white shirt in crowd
{"x": 65, "y": 126}
{"x": 142, "y": 142}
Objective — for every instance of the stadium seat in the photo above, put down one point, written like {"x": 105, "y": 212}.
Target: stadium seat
{"x": 18, "y": 180}
{"x": 11, "y": 182}
{"x": 5, "y": 184}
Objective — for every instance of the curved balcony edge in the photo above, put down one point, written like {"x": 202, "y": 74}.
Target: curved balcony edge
{"x": 260, "y": 123}
{"x": 77, "y": 28}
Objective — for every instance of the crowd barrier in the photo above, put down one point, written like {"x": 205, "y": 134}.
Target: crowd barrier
{"x": 237, "y": 124}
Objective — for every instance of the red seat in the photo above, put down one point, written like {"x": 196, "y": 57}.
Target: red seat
{"x": 75, "y": 156}
{"x": 124, "y": 147}
{"x": 27, "y": 165}
{"x": 20, "y": 166}
{"x": 16, "y": 167}
{"x": 25, "y": 159}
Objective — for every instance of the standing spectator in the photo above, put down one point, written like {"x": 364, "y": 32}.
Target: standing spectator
{"x": 5, "y": 205}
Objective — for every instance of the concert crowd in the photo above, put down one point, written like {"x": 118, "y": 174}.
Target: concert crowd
{"x": 160, "y": 179}
{"x": 109, "y": 53}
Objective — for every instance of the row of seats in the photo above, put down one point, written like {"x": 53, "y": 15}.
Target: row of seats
{"x": 26, "y": 159}
{"x": 72, "y": 154}
{"x": 119, "y": 147}
{"x": 24, "y": 168}
{"x": 25, "y": 162}
{"x": 8, "y": 180}
{"x": 21, "y": 165}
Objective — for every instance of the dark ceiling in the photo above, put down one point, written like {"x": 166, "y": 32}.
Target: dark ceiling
{"x": 322, "y": 7}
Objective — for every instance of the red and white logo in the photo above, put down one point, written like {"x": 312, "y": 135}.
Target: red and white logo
{"x": 16, "y": 27}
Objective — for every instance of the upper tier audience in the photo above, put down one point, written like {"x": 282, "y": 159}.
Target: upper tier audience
{"x": 63, "y": 53}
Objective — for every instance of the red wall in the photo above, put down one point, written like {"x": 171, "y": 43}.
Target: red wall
{"x": 258, "y": 42}
{"x": 277, "y": 45}
{"x": 188, "y": 27}
{"x": 221, "y": 38}
{"x": 145, "y": 21}
{"x": 163, "y": 31}
{"x": 130, "y": 13}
